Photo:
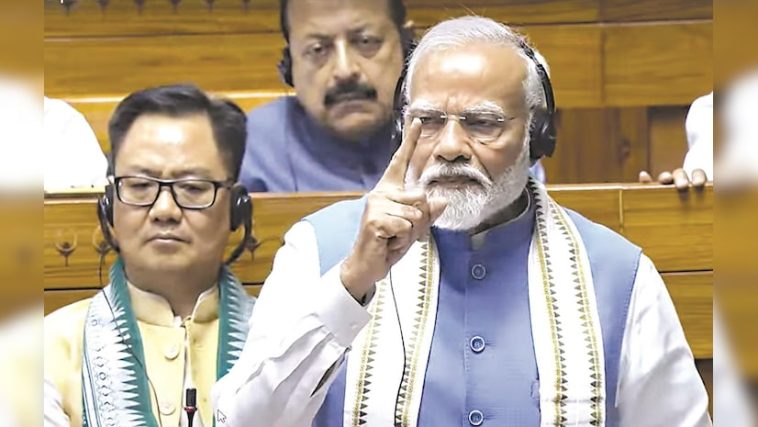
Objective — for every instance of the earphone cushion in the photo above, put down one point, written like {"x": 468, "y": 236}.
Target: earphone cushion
{"x": 241, "y": 207}
{"x": 285, "y": 67}
{"x": 105, "y": 204}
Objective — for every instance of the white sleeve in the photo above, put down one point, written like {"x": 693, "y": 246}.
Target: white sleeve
{"x": 302, "y": 326}
{"x": 93, "y": 164}
{"x": 659, "y": 385}
{"x": 699, "y": 128}
{"x": 73, "y": 157}
{"x": 53, "y": 409}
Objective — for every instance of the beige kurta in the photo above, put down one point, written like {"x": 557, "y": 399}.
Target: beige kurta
{"x": 165, "y": 343}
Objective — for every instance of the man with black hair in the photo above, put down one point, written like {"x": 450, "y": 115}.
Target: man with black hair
{"x": 343, "y": 57}
{"x": 173, "y": 317}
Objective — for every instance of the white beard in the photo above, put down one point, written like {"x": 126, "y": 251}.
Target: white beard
{"x": 468, "y": 208}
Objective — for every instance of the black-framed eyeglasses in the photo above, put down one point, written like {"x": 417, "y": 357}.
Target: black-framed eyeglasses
{"x": 188, "y": 193}
{"x": 482, "y": 127}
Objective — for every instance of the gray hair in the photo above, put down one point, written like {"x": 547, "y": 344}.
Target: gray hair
{"x": 460, "y": 32}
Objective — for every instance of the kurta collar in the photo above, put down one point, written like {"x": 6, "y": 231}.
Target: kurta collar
{"x": 154, "y": 309}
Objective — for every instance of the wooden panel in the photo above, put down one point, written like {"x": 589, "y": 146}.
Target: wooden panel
{"x": 692, "y": 294}
{"x": 599, "y": 145}
{"x": 98, "y": 110}
{"x": 573, "y": 53}
{"x": 674, "y": 229}
{"x": 632, "y": 134}
{"x": 121, "y": 17}
{"x": 668, "y": 138}
{"x": 734, "y": 30}
{"x": 244, "y": 62}
{"x": 650, "y": 10}
{"x": 737, "y": 299}
{"x": 426, "y": 13}
{"x": 598, "y": 203}
{"x": 57, "y": 298}
{"x": 659, "y": 64}
{"x": 228, "y": 63}
{"x": 645, "y": 65}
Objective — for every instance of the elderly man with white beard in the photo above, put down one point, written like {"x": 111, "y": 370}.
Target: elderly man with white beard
{"x": 457, "y": 292}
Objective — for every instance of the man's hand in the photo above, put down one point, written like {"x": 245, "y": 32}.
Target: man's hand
{"x": 392, "y": 220}
{"x": 679, "y": 178}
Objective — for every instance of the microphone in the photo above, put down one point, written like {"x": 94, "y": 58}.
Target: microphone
{"x": 190, "y": 401}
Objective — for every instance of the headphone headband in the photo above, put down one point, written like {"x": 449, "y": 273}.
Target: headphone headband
{"x": 547, "y": 87}
{"x": 542, "y": 131}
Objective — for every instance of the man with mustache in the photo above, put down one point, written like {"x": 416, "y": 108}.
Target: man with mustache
{"x": 343, "y": 57}
{"x": 173, "y": 318}
{"x": 457, "y": 292}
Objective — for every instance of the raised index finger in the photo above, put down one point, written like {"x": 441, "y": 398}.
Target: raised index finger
{"x": 395, "y": 173}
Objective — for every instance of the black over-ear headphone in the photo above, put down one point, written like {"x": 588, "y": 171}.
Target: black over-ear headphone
{"x": 284, "y": 66}
{"x": 542, "y": 130}
{"x": 240, "y": 214}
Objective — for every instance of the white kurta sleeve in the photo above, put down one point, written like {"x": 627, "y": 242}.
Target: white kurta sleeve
{"x": 699, "y": 128}
{"x": 300, "y": 330}
{"x": 72, "y": 155}
{"x": 659, "y": 385}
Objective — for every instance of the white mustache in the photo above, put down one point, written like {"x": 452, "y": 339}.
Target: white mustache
{"x": 438, "y": 171}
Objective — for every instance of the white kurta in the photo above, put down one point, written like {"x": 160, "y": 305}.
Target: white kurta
{"x": 72, "y": 155}
{"x": 699, "y": 128}
{"x": 303, "y": 325}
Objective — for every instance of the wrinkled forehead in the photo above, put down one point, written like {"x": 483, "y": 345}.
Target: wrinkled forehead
{"x": 459, "y": 78}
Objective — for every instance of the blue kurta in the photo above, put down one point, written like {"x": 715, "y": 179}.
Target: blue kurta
{"x": 287, "y": 151}
{"x": 482, "y": 368}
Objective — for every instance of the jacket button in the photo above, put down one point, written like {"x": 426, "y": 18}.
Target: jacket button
{"x": 478, "y": 271}
{"x": 477, "y": 344}
{"x": 475, "y": 417}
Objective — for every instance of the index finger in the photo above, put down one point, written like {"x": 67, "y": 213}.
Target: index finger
{"x": 395, "y": 173}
